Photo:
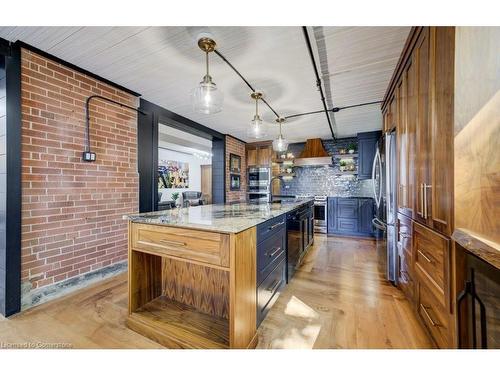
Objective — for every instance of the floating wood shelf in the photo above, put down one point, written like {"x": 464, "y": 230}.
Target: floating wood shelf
{"x": 177, "y": 325}
{"x": 345, "y": 156}
{"x": 286, "y": 174}
{"x": 347, "y": 173}
{"x": 281, "y": 161}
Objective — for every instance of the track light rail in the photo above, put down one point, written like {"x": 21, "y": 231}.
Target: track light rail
{"x": 318, "y": 84}
{"x": 334, "y": 109}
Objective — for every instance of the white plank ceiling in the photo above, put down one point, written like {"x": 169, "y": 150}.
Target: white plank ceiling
{"x": 164, "y": 64}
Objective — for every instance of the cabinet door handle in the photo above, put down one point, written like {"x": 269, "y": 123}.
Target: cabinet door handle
{"x": 425, "y": 256}
{"x": 276, "y": 225}
{"x": 173, "y": 243}
{"x": 274, "y": 286}
{"x": 426, "y": 209}
{"x": 276, "y": 250}
{"x": 421, "y": 213}
{"x": 434, "y": 324}
{"x": 401, "y": 188}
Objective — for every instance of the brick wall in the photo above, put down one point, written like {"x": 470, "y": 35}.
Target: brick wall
{"x": 234, "y": 146}
{"x": 72, "y": 211}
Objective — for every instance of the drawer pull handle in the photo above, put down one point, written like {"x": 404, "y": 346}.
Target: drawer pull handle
{"x": 434, "y": 324}
{"x": 276, "y": 225}
{"x": 173, "y": 243}
{"x": 276, "y": 250}
{"x": 425, "y": 256}
{"x": 274, "y": 286}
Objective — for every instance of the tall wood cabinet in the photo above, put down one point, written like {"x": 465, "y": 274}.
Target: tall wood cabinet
{"x": 419, "y": 106}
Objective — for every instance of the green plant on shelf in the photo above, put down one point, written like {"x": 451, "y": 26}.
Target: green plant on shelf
{"x": 352, "y": 147}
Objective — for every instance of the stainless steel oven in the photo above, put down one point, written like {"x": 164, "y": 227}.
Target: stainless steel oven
{"x": 258, "y": 183}
{"x": 320, "y": 213}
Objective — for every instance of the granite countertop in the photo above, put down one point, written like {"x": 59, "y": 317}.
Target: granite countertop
{"x": 226, "y": 218}
{"x": 479, "y": 246}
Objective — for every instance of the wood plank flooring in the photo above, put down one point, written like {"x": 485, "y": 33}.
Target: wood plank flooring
{"x": 338, "y": 299}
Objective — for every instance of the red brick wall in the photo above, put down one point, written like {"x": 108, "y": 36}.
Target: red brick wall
{"x": 72, "y": 211}
{"x": 234, "y": 146}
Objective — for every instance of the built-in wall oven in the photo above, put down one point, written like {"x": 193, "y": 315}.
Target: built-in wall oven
{"x": 258, "y": 183}
{"x": 320, "y": 213}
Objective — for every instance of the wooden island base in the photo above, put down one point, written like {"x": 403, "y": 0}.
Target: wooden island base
{"x": 192, "y": 288}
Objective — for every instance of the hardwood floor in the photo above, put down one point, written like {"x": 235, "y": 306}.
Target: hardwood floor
{"x": 338, "y": 299}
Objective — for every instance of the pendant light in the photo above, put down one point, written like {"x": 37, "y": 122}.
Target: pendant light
{"x": 280, "y": 144}
{"x": 256, "y": 129}
{"x": 206, "y": 98}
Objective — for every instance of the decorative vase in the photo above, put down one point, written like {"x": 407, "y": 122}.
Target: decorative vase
{"x": 351, "y": 151}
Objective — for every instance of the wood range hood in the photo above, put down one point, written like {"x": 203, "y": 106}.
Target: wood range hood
{"x": 314, "y": 154}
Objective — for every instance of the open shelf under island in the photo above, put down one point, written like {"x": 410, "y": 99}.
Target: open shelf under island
{"x": 194, "y": 272}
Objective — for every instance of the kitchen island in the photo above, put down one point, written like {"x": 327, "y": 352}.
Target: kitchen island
{"x": 193, "y": 272}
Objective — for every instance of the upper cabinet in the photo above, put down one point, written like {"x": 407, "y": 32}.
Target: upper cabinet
{"x": 420, "y": 105}
{"x": 434, "y": 182}
{"x": 259, "y": 154}
{"x": 367, "y": 146}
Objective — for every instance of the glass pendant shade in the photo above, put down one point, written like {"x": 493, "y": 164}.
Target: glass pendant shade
{"x": 280, "y": 144}
{"x": 256, "y": 129}
{"x": 206, "y": 98}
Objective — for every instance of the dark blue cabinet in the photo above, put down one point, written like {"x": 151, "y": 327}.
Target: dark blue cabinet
{"x": 350, "y": 216}
{"x": 332, "y": 214}
{"x": 365, "y": 215}
{"x": 367, "y": 145}
{"x": 271, "y": 263}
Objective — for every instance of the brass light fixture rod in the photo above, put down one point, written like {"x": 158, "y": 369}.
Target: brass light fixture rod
{"x": 244, "y": 80}
{"x": 208, "y": 45}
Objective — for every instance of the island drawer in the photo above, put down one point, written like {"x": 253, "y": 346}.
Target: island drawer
{"x": 431, "y": 254}
{"x": 270, "y": 227}
{"x": 268, "y": 291}
{"x": 269, "y": 253}
{"x": 196, "y": 245}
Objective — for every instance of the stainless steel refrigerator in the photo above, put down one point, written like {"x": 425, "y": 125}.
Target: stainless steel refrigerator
{"x": 384, "y": 191}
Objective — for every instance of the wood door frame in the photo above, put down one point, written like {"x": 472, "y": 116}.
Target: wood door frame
{"x": 204, "y": 166}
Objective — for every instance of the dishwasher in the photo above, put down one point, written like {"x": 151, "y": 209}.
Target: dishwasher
{"x": 296, "y": 228}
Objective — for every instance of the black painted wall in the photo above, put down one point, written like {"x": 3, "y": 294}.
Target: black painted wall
{"x": 3, "y": 179}
{"x": 10, "y": 178}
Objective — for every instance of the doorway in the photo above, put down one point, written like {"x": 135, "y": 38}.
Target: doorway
{"x": 152, "y": 120}
{"x": 184, "y": 160}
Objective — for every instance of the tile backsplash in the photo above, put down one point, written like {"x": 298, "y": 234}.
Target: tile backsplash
{"x": 323, "y": 180}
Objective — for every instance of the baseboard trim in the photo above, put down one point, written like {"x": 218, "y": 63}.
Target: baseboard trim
{"x": 45, "y": 294}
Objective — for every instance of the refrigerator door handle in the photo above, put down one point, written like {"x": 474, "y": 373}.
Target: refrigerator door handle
{"x": 377, "y": 163}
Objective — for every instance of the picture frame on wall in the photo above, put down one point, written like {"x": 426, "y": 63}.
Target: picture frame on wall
{"x": 234, "y": 163}
{"x": 235, "y": 182}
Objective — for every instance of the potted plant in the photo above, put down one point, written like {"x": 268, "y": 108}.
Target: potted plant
{"x": 175, "y": 198}
{"x": 352, "y": 148}
{"x": 343, "y": 164}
